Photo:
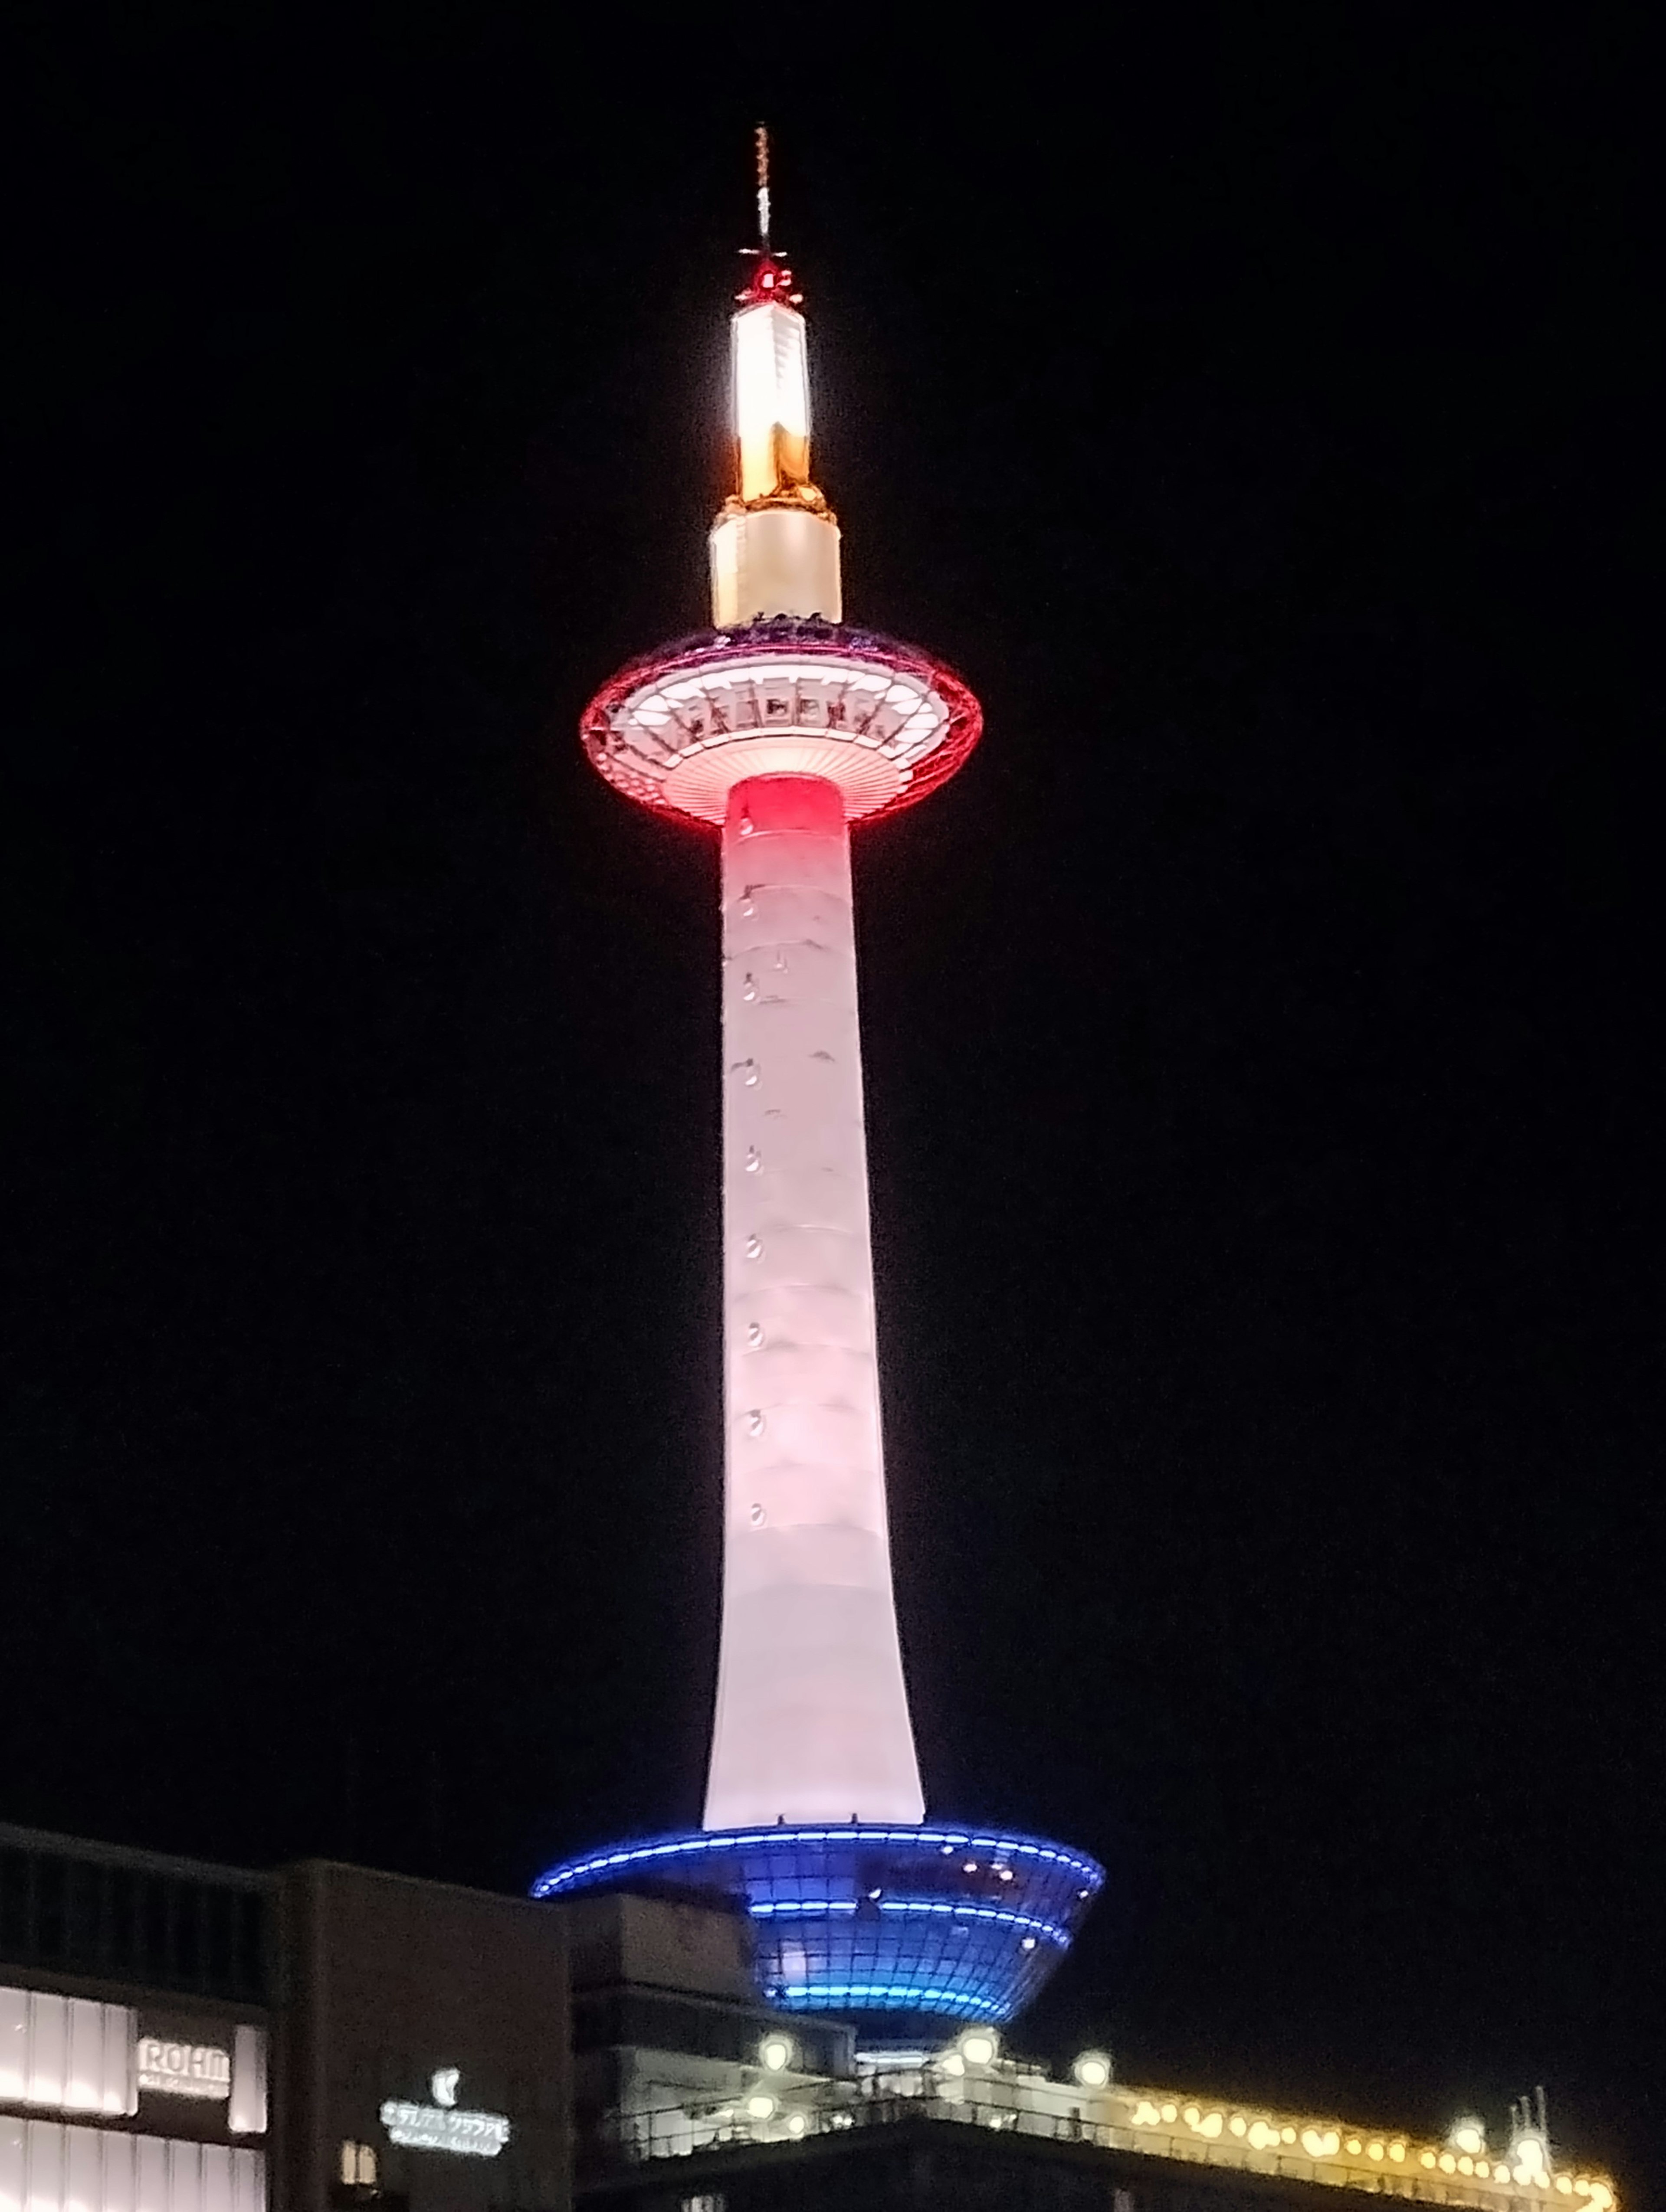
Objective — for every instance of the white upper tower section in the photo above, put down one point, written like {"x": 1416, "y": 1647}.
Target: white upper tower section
{"x": 775, "y": 547}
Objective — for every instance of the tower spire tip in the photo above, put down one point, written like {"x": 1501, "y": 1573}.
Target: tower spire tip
{"x": 760, "y": 147}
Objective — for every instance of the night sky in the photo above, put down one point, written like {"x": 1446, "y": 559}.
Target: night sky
{"x": 1246, "y": 402}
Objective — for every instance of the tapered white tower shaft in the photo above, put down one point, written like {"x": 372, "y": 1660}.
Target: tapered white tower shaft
{"x": 812, "y": 1721}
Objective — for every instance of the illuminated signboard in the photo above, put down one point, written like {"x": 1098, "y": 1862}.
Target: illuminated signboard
{"x": 184, "y": 2070}
{"x": 441, "y": 2126}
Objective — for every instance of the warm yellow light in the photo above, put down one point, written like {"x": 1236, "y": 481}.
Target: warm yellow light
{"x": 760, "y": 2107}
{"x": 980, "y": 2046}
{"x": 795, "y": 2123}
{"x": 775, "y": 2052}
{"x": 771, "y": 399}
{"x": 1463, "y": 2155}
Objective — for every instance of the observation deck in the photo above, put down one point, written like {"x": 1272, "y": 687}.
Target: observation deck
{"x": 884, "y": 722}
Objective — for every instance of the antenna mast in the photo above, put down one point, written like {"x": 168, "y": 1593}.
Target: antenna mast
{"x": 761, "y": 141}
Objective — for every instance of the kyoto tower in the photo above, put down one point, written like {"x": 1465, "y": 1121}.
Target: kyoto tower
{"x": 779, "y": 728}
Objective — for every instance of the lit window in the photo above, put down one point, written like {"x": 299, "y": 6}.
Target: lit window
{"x": 358, "y": 2165}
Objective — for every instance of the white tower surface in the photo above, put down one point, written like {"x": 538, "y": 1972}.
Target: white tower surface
{"x": 813, "y": 1719}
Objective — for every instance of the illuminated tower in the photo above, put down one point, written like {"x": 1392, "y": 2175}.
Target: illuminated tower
{"x": 779, "y": 728}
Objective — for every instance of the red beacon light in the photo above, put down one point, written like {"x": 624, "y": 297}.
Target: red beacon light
{"x": 769, "y": 284}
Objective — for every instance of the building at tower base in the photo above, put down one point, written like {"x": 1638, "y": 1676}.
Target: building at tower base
{"x": 178, "y": 2037}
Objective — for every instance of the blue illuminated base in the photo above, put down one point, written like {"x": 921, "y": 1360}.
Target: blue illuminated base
{"x": 919, "y": 1925}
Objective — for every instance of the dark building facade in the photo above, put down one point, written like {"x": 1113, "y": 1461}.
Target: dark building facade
{"x": 910, "y": 2163}
{"x": 179, "y": 2037}
{"x": 422, "y": 2047}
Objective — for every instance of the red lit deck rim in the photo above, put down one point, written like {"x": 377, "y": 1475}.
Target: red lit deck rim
{"x": 678, "y": 729}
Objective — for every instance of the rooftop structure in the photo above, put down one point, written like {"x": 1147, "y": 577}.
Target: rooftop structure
{"x": 780, "y": 727}
{"x": 971, "y": 2081}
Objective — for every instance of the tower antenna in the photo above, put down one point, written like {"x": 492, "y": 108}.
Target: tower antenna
{"x": 761, "y": 144}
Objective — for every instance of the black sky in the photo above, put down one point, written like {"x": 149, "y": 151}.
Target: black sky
{"x": 1247, "y": 402}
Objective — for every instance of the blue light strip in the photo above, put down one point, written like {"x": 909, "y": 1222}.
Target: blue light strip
{"x": 901, "y": 1993}
{"x": 816, "y": 1906}
{"x": 946, "y": 1840}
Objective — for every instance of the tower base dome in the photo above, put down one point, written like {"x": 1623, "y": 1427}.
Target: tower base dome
{"x": 902, "y": 1929}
